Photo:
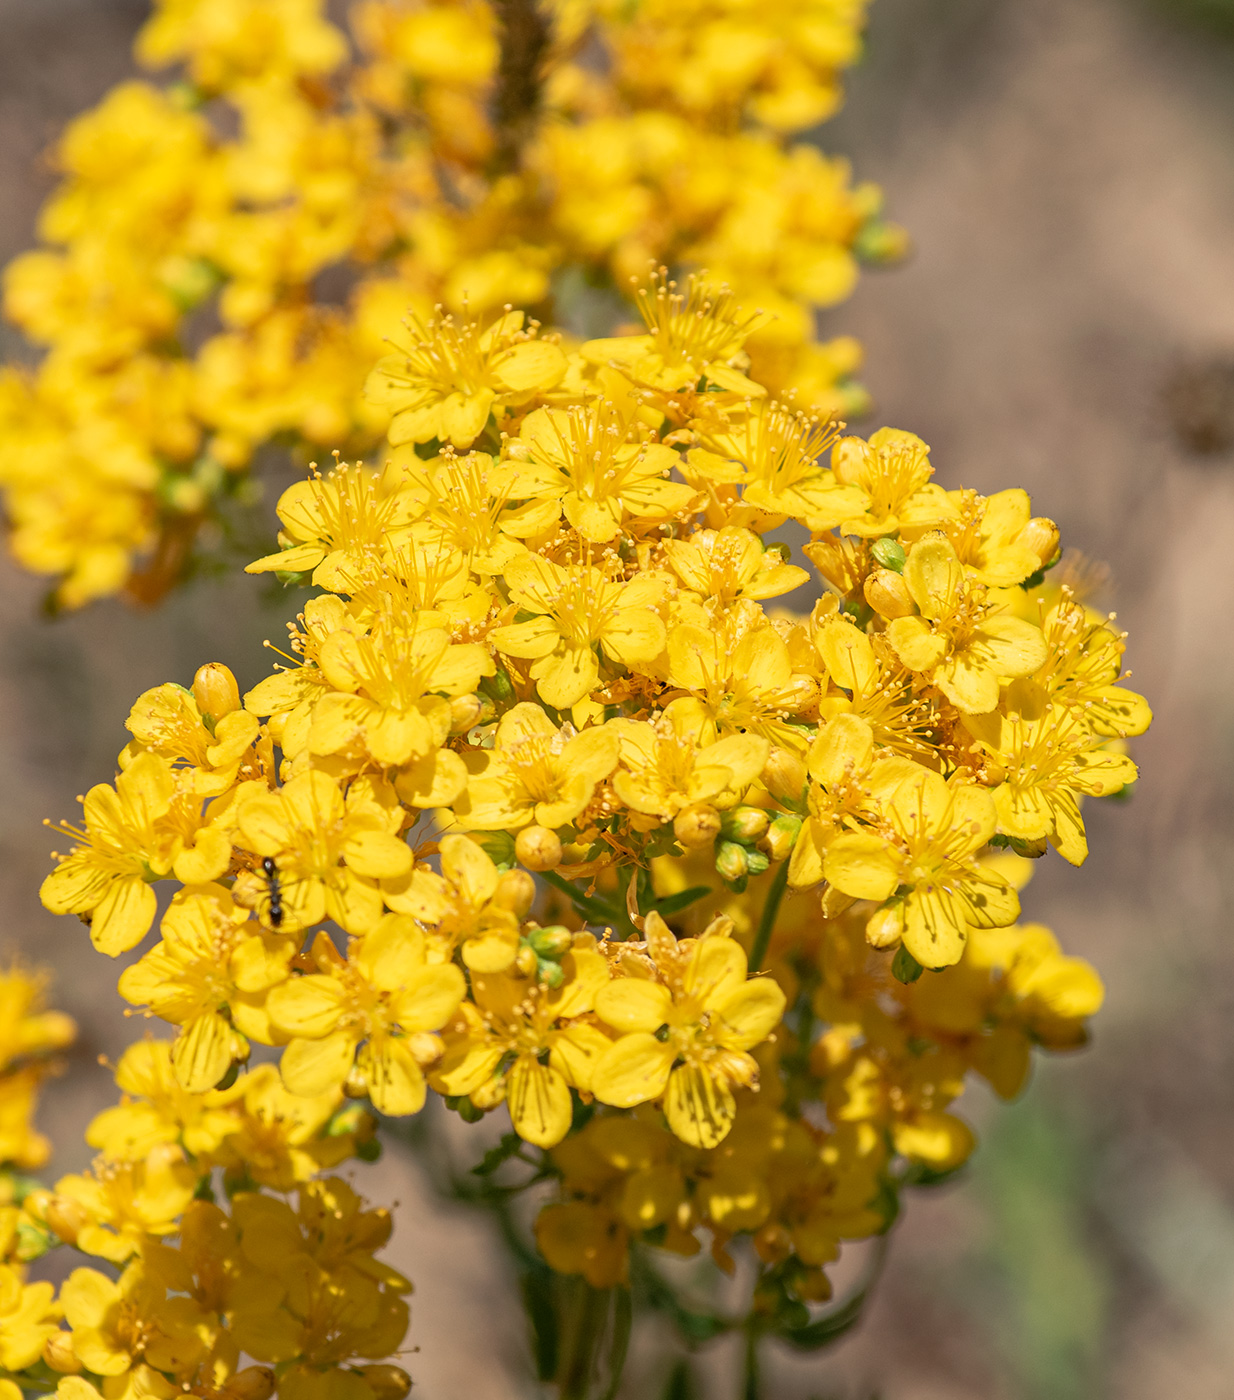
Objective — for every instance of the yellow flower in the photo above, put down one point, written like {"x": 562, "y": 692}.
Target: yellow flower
{"x": 210, "y": 976}
{"x": 958, "y": 642}
{"x": 453, "y": 375}
{"x": 333, "y": 524}
{"x": 279, "y": 1139}
{"x": 529, "y": 1022}
{"x": 584, "y": 456}
{"x": 156, "y": 1110}
{"x": 1013, "y": 987}
{"x": 998, "y": 539}
{"x": 28, "y": 1316}
{"x": 577, "y": 612}
{"x": 468, "y": 516}
{"x": 1041, "y": 768}
{"x": 850, "y": 781}
{"x": 367, "y": 1021}
{"x": 667, "y": 764}
{"x": 775, "y": 455}
{"x": 691, "y": 337}
{"x": 741, "y": 674}
{"x": 928, "y": 865}
{"x": 142, "y": 830}
{"x": 19, "y": 1143}
{"x": 123, "y": 1202}
{"x": 168, "y": 721}
{"x": 724, "y": 565}
{"x": 698, "y": 990}
{"x": 890, "y": 475}
{"x": 329, "y": 1299}
{"x": 1085, "y": 659}
{"x": 26, "y": 1028}
{"x": 330, "y": 850}
{"x": 535, "y": 773}
{"x": 389, "y": 698}
{"x": 118, "y": 1325}
{"x": 470, "y": 904}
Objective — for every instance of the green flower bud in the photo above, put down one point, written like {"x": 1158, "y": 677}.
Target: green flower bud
{"x": 553, "y": 942}
{"x": 745, "y": 824}
{"x": 732, "y": 860}
{"x": 756, "y": 862}
{"x": 904, "y": 967}
{"x": 782, "y": 836}
{"x": 890, "y": 554}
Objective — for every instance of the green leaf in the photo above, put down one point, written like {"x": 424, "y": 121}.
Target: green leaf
{"x": 675, "y": 903}
{"x": 595, "y": 911}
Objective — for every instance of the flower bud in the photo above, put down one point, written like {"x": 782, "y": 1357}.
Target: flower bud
{"x": 538, "y": 848}
{"x": 773, "y": 1244}
{"x": 887, "y": 593}
{"x": 756, "y": 862}
{"x": 885, "y": 927}
{"x": 552, "y": 974}
{"x": 497, "y": 845}
{"x": 59, "y": 1355}
{"x": 552, "y": 942}
{"x": 696, "y": 825}
{"x": 465, "y": 711}
{"x": 253, "y": 1383}
{"x": 65, "y": 1218}
{"x": 732, "y": 861}
{"x": 744, "y": 824}
{"x": 782, "y": 836}
{"x": 526, "y": 963}
{"x": 784, "y": 775}
{"x": 215, "y": 690}
{"x": 355, "y": 1086}
{"x": 1041, "y": 536}
{"x": 488, "y": 1095}
{"x": 904, "y": 967}
{"x": 386, "y": 1382}
{"x": 812, "y": 1286}
{"x": 890, "y": 554}
{"x": 516, "y": 891}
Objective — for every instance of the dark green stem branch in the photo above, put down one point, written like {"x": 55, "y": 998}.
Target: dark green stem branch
{"x": 765, "y": 925}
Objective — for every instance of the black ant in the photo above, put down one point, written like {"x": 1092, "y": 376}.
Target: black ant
{"x": 271, "y": 871}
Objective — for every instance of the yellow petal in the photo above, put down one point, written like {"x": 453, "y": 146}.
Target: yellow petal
{"x": 634, "y": 1004}
{"x": 395, "y": 1081}
{"x": 539, "y": 1102}
{"x": 306, "y": 1006}
{"x": 699, "y": 1108}
{"x": 934, "y": 576}
{"x": 634, "y": 1070}
{"x": 749, "y": 1013}
{"x": 431, "y": 997}
{"x": 862, "y": 865}
{"x": 915, "y": 644}
{"x": 201, "y": 1054}
{"x": 122, "y": 918}
{"x": 318, "y": 1066}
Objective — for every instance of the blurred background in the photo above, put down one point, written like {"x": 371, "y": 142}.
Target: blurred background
{"x": 1066, "y": 170}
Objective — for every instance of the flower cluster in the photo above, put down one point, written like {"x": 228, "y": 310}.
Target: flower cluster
{"x": 201, "y": 1290}
{"x": 227, "y": 253}
{"x": 31, "y": 1037}
{"x": 718, "y": 899}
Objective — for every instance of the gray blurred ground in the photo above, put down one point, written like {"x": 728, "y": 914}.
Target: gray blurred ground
{"x": 1066, "y": 168}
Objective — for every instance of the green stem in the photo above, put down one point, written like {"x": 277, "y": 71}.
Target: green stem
{"x": 751, "y": 1387}
{"x": 584, "y": 1321}
{"x": 772, "y": 907}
